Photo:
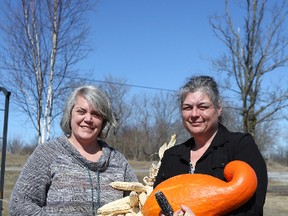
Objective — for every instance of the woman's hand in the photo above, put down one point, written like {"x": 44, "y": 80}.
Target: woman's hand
{"x": 185, "y": 211}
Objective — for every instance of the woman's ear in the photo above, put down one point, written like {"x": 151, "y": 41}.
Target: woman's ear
{"x": 219, "y": 111}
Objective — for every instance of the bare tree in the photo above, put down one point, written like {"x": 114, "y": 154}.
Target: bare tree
{"x": 255, "y": 50}
{"x": 15, "y": 145}
{"x": 280, "y": 155}
{"x": 164, "y": 109}
{"x": 134, "y": 133}
{"x": 118, "y": 91}
{"x": 229, "y": 117}
{"x": 42, "y": 42}
{"x": 152, "y": 125}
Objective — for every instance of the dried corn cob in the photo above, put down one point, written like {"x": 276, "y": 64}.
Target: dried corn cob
{"x": 133, "y": 204}
{"x": 129, "y": 186}
{"x": 164, "y": 204}
{"x": 142, "y": 198}
{"x": 134, "y": 200}
{"x": 116, "y": 207}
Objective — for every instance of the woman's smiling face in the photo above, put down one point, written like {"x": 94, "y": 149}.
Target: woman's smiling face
{"x": 199, "y": 115}
{"x": 86, "y": 122}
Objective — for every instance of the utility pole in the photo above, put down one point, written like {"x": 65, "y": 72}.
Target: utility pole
{"x": 4, "y": 144}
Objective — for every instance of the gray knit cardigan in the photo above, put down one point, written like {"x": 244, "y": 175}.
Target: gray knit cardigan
{"x": 57, "y": 180}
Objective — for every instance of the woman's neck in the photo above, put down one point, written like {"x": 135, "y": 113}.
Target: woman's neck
{"x": 203, "y": 141}
{"x": 200, "y": 147}
{"x": 91, "y": 151}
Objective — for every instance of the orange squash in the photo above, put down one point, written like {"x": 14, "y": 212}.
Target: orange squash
{"x": 205, "y": 194}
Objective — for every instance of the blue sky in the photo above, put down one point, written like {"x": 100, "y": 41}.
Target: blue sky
{"x": 153, "y": 43}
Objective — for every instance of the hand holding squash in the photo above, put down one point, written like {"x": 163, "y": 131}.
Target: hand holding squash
{"x": 184, "y": 211}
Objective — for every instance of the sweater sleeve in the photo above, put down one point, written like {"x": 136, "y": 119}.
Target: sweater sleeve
{"x": 29, "y": 194}
{"x": 129, "y": 175}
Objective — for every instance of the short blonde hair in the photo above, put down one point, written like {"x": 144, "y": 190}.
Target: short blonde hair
{"x": 97, "y": 99}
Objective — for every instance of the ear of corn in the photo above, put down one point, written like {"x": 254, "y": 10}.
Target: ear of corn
{"x": 166, "y": 146}
{"x": 132, "y": 204}
{"x": 114, "y": 210}
{"x": 133, "y": 199}
{"x": 116, "y": 207}
{"x": 142, "y": 198}
{"x": 166, "y": 208}
{"x": 129, "y": 186}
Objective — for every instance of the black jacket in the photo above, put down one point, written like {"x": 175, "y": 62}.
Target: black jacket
{"x": 225, "y": 147}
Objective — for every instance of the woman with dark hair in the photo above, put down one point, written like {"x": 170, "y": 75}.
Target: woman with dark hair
{"x": 70, "y": 175}
{"x": 212, "y": 145}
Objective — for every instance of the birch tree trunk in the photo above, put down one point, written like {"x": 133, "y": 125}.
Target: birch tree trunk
{"x": 42, "y": 45}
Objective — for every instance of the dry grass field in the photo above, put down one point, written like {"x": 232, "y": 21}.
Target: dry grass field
{"x": 276, "y": 202}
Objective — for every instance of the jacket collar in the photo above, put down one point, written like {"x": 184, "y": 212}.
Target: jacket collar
{"x": 221, "y": 137}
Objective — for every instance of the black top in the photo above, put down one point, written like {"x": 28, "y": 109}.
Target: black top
{"x": 225, "y": 147}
